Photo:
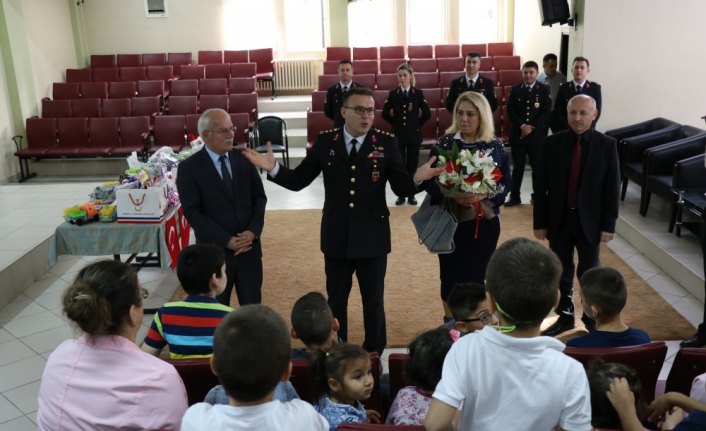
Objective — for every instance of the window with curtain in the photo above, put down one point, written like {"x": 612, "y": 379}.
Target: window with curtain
{"x": 249, "y": 24}
{"x": 303, "y": 25}
{"x": 478, "y": 21}
{"x": 426, "y": 22}
{"x": 371, "y": 23}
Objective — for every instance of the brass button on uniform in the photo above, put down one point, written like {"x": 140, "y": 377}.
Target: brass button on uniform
{"x": 352, "y": 180}
{"x": 352, "y": 167}
{"x": 351, "y": 204}
{"x": 352, "y": 192}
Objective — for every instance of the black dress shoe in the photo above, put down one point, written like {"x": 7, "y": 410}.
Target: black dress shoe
{"x": 399, "y": 201}
{"x": 412, "y": 200}
{"x": 694, "y": 341}
{"x": 512, "y": 202}
{"x": 562, "y": 325}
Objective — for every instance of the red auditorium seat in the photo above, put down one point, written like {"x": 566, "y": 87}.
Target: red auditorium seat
{"x": 325, "y": 81}
{"x": 239, "y": 56}
{"x": 506, "y": 62}
{"x": 265, "y": 66}
{"x": 72, "y": 134}
{"x": 429, "y": 129}
{"x": 246, "y": 103}
{"x": 423, "y": 64}
{"x": 387, "y": 81}
{"x": 243, "y": 70}
{"x": 121, "y": 90}
{"x": 500, "y": 48}
{"x": 192, "y": 72}
{"x": 420, "y": 51}
{"x": 65, "y": 90}
{"x": 490, "y": 74}
{"x": 209, "y": 101}
{"x": 210, "y": 57}
{"x": 56, "y": 108}
{"x": 499, "y": 95}
{"x": 506, "y": 125}
{"x": 41, "y": 136}
{"x": 169, "y": 131}
{"x": 318, "y": 99}
{"x": 178, "y": 59}
{"x": 389, "y": 65}
{"x": 154, "y": 59}
{"x": 240, "y": 121}
{"x": 150, "y": 88}
{"x": 365, "y": 67}
{"x": 379, "y": 96}
{"x": 426, "y": 79}
{"x": 338, "y": 53}
{"x": 104, "y": 135}
{"x": 182, "y": 105}
{"x": 451, "y": 64}
{"x": 365, "y": 53}
{"x": 433, "y": 97}
{"x": 486, "y": 63}
{"x": 129, "y": 60}
{"x": 446, "y": 51}
{"x": 197, "y": 377}
{"x": 102, "y": 60}
{"x": 79, "y": 75}
{"x": 148, "y": 106}
{"x": 192, "y": 125}
{"x": 105, "y": 74}
{"x": 91, "y": 90}
{"x": 330, "y": 67}
{"x": 88, "y": 108}
{"x": 444, "y": 119}
{"x": 498, "y": 121}
{"x": 133, "y": 131}
{"x": 316, "y": 122}
{"x": 367, "y": 80}
{"x": 509, "y": 77}
{"x": 480, "y": 48}
{"x": 184, "y": 87}
{"x": 136, "y": 73}
{"x": 115, "y": 107}
{"x": 687, "y": 364}
{"x": 213, "y": 86}
{"x": 396, "y": 363}
{"x": 392, "y": 52}
{"x": 217, "y": 71}
{"x": 165, "y": 73}
{"x": 242, "y": 85}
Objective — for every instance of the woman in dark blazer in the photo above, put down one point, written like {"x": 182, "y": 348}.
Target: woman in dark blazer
{"x": 407, "y": 111}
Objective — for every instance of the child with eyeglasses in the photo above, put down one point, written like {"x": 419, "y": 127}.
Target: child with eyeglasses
{"x": 470, "y": 308}
{"x": 423, "y": 371}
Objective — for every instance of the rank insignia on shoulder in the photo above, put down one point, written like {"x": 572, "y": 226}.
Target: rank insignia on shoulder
{"x": 382, "y": 132}
{"x": 324, "y": 132}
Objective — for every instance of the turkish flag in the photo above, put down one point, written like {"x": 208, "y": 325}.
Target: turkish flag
{"x": 184, "y": 229}
{"x": 172, "y": 239}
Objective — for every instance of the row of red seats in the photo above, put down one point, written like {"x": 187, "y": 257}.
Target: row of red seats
{"x": 179, "y": 58}
{"x": 164, "y": 73}
{"x": 450, "y": 64}
{"x": 338, "y": 53}
{"x": 422, "y": 79}
{"x": 180, "y": 87}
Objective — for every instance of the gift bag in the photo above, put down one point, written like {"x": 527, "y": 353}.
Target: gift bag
{"x": 435, "y": 226}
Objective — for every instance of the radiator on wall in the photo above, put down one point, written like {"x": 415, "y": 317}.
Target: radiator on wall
{"x": 296, "y": 74}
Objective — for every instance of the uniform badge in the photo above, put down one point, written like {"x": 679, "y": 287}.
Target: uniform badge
{"x": 536, "y": 105}
{"x": 376, "y": 176}
{"x": 332, "y": 153}
{"x": 409, "y": 108}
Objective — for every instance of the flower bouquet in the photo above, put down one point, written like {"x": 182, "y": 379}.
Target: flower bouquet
{"x": 468, "y": 173}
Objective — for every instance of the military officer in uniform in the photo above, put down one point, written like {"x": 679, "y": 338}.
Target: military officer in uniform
{"x": 567, "y": 90}
{"x": 357, "y": 161}
{"x": 407, "y": 111}
{"x": 471, "y": 81}
{"x": 529, "y": 109}
{"x": 335, "y": 93}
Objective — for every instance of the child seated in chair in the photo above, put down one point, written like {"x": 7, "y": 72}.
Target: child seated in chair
{"x": 508, "y": 377}
{"x": 470, "y": 308}
{"x": 187, "y": 326}
{"x": 600, "y": 376}
{"x": 313, "y": 323}
{"x": 603, "y": 295}
{"x": 423, "y": 370}
{"x": 251, "y": 354}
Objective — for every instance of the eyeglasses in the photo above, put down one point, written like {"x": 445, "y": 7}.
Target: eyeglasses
{"x": 485, "y": 319}
{"x": 361, "y": 110}
{"x": 225, "y": 130}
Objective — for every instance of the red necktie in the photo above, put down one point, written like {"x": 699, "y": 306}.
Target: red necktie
{"x": 573, "y": 191}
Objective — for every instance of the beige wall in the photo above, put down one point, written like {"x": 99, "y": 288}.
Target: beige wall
{"x": 8, "y": 162}
{"x": 532, "y": 40}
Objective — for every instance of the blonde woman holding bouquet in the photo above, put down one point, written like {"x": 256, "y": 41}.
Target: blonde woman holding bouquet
{"x": 474, "y": 186}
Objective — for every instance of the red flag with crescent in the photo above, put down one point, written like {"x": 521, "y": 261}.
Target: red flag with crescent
{"x": 184, "y": 229}
{"x": 172, "y": 239}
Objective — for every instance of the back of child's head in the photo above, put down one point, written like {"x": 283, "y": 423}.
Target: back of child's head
{"x": 600, "y": 374}
{"x": 196, "y": 265}
{"x": 523, "y": 278}
{"x": 332, "y": 364}
{"x": 605, "y": 289}
{"x": 312, "y": 318}
{"x": 426, "y": 358}
{"x": 464, "y": 299}
{"x": 251, "y": 352}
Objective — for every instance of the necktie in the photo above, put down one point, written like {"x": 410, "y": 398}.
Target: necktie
{"x": 354, "y": 151}
{"x": 227, "y": 179}
{"x": 345, "y": 88}
{"x": 578, "y": 89}
{"x": 470, "y": 83}
{"x": 573, "y": 191}
{"x": 405, "y": 94}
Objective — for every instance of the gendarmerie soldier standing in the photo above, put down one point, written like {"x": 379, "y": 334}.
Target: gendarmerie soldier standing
{"x": 579, "y": 85}
{"x": 407, "y": 111}
{"x": 357, "y": 161}
{"x": 529, "y": 109}
{"x": 336, "y": 92}
{"x": 471, "y": 81}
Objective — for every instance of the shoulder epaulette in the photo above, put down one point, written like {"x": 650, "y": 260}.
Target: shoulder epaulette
{"x": 334, "y": 130}
{"x": 382, "y": 132}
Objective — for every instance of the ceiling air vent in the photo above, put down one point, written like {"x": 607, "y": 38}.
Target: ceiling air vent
{"x": 156, "y": 8}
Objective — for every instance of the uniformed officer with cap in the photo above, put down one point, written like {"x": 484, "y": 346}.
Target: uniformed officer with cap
{"x": 357, "y": 161}
{"x": 529, "y": 109}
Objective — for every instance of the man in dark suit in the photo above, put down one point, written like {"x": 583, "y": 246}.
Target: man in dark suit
{"x": 357, "y": 161}
{"x": 471, "y": 81}
{"x": 528, "y": 107}
{"x": 336, "y": 93}
{"x": 576, "y": 192}
{"x": 567, "y": 90}
{"x": 224, "y": 201}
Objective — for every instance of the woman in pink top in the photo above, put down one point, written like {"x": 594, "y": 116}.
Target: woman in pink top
{"x": 102, "y": 380}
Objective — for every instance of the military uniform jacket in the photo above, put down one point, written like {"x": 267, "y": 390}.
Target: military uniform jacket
{"x": 566, "y": 91}
{"x": 460, "y": 85}
{"x": 531, "y": 107}
{"x": 405, "y": 119}
{"x": 355, "y": 219}
{"x": 334, "y": 101}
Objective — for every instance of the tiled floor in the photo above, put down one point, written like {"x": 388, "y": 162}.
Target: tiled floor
{"x": 32, "y": 325}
